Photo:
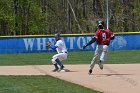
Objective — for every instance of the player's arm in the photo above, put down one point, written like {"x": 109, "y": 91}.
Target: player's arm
{"x": 112, "y": 37}
{"x": 53, "y": 47}
{"x": 90, "y": 42}
{"x": 111, "y": 33}
{"x": 49, "y": 44}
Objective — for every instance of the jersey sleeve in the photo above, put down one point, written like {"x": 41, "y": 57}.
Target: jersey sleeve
{"x": 53, "y": 47}
{"x": 111, "y": 33}
{"x": 58, "y": 43}
{"x": 96, "y": 34}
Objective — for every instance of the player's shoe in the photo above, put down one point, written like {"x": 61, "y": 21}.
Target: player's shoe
{"x": 56, "y": 69}
{"x": 61, "y": 68}
{"x": 100, "y": 65}
{"x": 90, "y": 71}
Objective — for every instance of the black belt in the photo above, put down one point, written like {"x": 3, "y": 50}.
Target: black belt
{"x": 64, "y": 52}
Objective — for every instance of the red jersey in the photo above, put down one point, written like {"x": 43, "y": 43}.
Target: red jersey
{"x": 103, "y": 36}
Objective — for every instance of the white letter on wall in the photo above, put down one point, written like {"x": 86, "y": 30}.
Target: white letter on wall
{"x": 29, "y": 43}
{"x": 81, "y": 40}
{"x": 39, "y": 43}
{"x": 71, "y": 40}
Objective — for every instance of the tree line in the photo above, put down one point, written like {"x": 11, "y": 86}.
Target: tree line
{"x": 39, "y": 17}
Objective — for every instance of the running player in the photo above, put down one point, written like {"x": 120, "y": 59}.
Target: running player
{"x": 102, "y": 37}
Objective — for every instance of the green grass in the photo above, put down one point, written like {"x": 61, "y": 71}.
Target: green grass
{"x": 83, "y": 57}
{"x": 123, "y": 57}
{"x": 39, "y": 84}
{"x": 112, "y": 57}
{"x": 48, "y": 84}
{"x": 26, "y": 59}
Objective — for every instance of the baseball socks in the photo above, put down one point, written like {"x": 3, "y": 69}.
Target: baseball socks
{"x": 59, "y": 63}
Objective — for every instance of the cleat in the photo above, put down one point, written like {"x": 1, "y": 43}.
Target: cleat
{"x": 61, "y": 68}
{"x": 56, "y": 69}
{"x": 100, "y": 65}
{"x": 90, "y": 71}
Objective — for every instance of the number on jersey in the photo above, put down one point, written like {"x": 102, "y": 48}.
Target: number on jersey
{"x": 104, "y": 36}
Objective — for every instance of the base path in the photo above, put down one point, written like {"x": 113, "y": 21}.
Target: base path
{"x": 114, "y": 78}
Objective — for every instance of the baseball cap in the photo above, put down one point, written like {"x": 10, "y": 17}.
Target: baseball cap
{"x": 100, "y": 23}
{"x": 57, "y": 35}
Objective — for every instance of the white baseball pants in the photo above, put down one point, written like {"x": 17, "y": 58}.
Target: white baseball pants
{"x": 60, "y": 56}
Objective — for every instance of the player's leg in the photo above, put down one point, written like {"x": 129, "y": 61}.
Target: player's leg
{"x": 57, "y": 59}
{"x": 102, "y": 57}
{"x": 96, "y": 57}
{"x": 55, "y": 65}
{"x": 61, "y": 57}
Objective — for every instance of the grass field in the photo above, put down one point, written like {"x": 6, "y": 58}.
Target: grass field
{"x": 84, "y": 57}
{"x": 48, "y": 84}
{"x": 39, "y": 84}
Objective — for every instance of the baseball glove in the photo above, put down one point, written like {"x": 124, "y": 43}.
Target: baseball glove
{"x": 49, "y": 44}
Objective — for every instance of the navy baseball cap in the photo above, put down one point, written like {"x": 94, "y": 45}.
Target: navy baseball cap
{"x": 57, "y": 35}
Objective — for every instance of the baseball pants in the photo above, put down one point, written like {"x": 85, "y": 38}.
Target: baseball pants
{"x": 60, "y": 56}
{"x": 99, "y": 55}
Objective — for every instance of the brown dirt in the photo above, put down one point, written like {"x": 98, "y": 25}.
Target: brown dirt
{"x": 114, "y": 78}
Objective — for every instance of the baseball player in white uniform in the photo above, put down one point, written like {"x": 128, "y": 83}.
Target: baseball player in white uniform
{"x": 62, "y": 53}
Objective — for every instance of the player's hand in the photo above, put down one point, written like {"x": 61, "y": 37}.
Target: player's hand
{"x": 84, "y": 46}
{"x": 49, "y": 44}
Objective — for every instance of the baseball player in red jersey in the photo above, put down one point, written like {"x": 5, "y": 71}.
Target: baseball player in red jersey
{"x": 102, "y": 37}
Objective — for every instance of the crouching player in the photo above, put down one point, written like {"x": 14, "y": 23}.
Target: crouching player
{"x": 61, "y": 53}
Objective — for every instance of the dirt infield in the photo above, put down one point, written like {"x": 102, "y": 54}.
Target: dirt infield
{"x": 115, "y": 78}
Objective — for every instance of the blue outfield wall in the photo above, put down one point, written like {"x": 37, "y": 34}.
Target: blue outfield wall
{"x": 73, "y": 43}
